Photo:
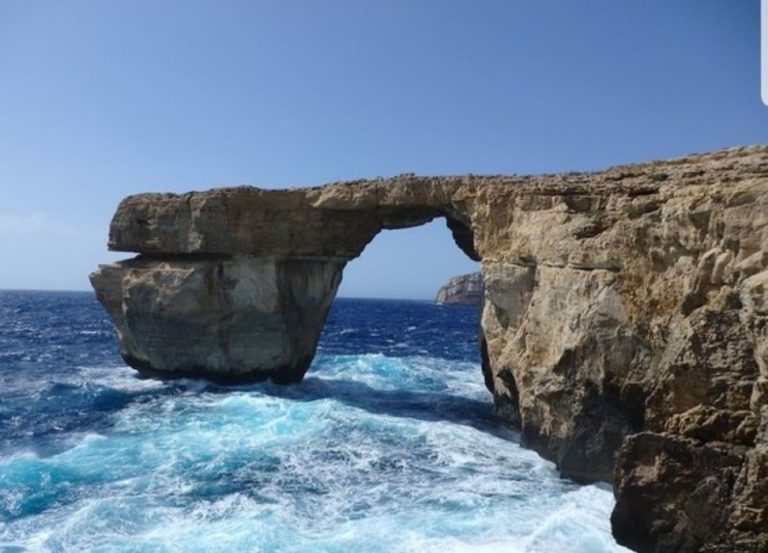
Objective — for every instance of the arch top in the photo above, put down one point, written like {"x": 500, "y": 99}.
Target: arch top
{"x": 334, "y": 221}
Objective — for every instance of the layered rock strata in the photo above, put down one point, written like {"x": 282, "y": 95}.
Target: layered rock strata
{"x": 624, "y": 327}
{"x": 463, "y": 289}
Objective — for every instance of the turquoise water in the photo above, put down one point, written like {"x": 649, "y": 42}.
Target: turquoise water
{"x": 388, "y": 445}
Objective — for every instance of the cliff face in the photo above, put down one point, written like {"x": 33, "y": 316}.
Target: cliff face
{"x": 640, "y": 312}
{"x": 624, "y": 329}
{"x": 464, "y": 289}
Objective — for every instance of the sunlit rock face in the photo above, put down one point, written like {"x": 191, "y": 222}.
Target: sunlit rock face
{"x": 624, "y": 326}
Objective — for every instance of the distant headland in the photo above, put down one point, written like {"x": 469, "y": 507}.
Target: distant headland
{"x": 462, "y": 289}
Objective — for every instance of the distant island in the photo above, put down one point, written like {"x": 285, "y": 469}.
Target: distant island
{"x": 463, "y": 289}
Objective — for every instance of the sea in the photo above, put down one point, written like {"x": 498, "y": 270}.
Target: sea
{"x": 388, "y": 445}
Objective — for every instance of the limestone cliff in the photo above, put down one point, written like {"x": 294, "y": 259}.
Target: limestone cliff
{"x": 462, "y": 289}
{"x": 624, "y": 330}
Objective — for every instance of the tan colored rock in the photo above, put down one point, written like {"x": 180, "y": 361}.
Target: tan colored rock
{"x": 625, "y": 314}
{"x": 233, "y": 319}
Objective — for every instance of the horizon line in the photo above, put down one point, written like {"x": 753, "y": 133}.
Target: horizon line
{"x": 85, "y": 291}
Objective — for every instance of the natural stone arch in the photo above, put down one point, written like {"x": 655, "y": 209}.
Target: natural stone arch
{"x": 625, "y": 313}
{"x": 235, "y": 284}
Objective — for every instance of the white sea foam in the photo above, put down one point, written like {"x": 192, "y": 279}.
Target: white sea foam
{"x": 346, "y": 461}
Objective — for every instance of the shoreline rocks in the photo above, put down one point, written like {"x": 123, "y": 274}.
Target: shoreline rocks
{"x": 624, "y": 327}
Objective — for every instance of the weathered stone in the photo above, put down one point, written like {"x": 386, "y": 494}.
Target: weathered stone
{"x": 239, "y": 318}
{"x": 462, "y": 289}
{"x": 625, "y": 313}
{"x": 673, "y": 493}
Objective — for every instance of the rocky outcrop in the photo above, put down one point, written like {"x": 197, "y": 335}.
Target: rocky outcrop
{"x": 235, "y": 284}
{"x": 230, "y": 319}
{"x": 462, "y": 289}
{"x": 624, "y": 328}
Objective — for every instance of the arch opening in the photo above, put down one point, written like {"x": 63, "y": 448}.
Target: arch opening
{"x": 399, "y": 351}
{"x": 410, "y": 261}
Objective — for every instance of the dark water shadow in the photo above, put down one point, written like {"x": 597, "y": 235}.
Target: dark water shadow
{"x": 430, "y": 406}
{"x": 59, "y": 408}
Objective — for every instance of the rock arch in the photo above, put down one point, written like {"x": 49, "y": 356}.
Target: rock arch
{"x": 625, "y": 317}
{"x": 235, "y": 284}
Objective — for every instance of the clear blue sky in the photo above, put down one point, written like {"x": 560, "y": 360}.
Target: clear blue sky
{"x": 103, "y": 99}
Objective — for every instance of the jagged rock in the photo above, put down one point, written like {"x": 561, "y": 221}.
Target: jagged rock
{"x": 463, "y": 289}
{"x": 626, "y": 312}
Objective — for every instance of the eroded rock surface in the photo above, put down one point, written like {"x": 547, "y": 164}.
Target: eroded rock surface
{"x": 624, "y": 328}
{"x": 234, "y": 318}
{"x": 463, "y": 289}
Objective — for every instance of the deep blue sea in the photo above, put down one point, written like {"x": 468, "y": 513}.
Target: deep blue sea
{"x": 389, "y": 445}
